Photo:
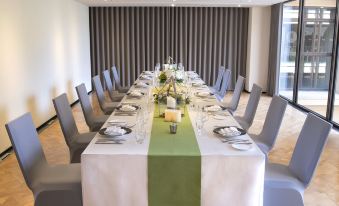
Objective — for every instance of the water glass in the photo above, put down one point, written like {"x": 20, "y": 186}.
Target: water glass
{"x": 140, "y": 133}
{"x": 199, "y": 125}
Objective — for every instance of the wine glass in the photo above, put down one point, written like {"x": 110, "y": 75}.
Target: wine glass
{"x": 140, "y": 131}
{"x": 199, "y": 123}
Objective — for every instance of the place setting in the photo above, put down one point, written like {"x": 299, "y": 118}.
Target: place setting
{"x": 199, "y": 84}
{"x": 135, "y": 94}
{"x": 141, "y": 84}
{"x": 149, "y": 73}
{"x": 113, "y": 135}
{"x": 234, "y": 136}
{"x": 217, "y": 112}
{"x": 205, "y": 95}
{"x": 146, "y": 77}
{"x": 126, "y": 110}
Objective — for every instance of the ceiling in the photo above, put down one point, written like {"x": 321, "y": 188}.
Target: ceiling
{"x": 188, "y": 3}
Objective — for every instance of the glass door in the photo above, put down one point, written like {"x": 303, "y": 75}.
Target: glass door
{"x": 288, "y": 52}
{"x": 315, "y": 56}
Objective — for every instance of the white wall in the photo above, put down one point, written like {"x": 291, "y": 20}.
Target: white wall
{"x": 44, "y": 51}
{"x": 258, "y": 47}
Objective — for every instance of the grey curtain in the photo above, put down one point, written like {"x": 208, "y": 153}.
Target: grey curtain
{"x": 274, "y": 56}
{"x": 136, "y": 38}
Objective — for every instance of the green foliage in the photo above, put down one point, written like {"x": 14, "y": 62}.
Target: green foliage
{"x": 162, "y": 77}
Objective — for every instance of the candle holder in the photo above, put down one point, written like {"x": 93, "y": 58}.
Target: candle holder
{"x": 173, "y": 128}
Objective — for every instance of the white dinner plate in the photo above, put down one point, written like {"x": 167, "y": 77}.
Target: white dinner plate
{"x": 242, "y": 147}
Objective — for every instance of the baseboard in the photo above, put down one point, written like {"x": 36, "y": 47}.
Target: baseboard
{"x": 8, "y": 151}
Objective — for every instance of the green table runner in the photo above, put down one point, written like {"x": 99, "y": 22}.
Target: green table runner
{"x": 174, "y": 165}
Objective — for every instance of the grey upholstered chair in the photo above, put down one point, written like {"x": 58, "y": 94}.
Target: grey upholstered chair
{"x": 106, "y": 107}
{"x": 285, "y": 185}
{"x": 51, "y": 185}
{"x": 266, "y": 138}
{"x": 216, "y": 87}
{"x": 233, "y": 104}
{"x": 224, "y": 85}
{"x": 93, "y": 122}
{"x": 115, "y": 96}
{"x": 116, "y": 78}
{"x": 251, "y": 108}
{"x": 75, "y": 141}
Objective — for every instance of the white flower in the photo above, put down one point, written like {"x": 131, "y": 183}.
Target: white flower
{"x": 179, "y": 74}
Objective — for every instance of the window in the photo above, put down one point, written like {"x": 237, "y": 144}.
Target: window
{"x": 288, "y": 48}
{"x": 315, "y": 57}
{"x": 306, "y": 57}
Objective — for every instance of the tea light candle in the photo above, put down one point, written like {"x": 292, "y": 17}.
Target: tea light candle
{"x": 171, "y": 103}
{"x": 172, "y": 115}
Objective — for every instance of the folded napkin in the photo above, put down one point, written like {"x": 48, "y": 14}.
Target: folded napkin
{"x": 214, "y": 108}
{"x": 203, "y": 94}
{"x": 141, "y": 84}
{"x": 114, "y": 130}
{"x": 127, "y": 108}
{"x": 146, "y": 77}
{"x": 229, "y": 132}
{"x": 148, "y": 72}
{"x": 197, "y": 84}
{"x": 192, "y": 73}
{"x": 136, "y": 93}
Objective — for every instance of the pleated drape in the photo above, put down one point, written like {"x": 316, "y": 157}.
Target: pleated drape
{"x": 274, "y": 54}
{"x": 136, "y": 38}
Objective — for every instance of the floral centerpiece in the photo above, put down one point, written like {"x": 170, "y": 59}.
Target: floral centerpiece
{"x": 171, "y": 93}
{"x": 177, "y": 91}
{"x": 171, "y": 70}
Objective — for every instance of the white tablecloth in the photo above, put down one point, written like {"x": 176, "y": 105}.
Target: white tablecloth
{"x": 117, "y": 174}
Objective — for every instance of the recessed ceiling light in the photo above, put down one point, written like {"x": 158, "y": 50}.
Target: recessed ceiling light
{"x": 239, "y": 5}
{"x": 172, "y": 5}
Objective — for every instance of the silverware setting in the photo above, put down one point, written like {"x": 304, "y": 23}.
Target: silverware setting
{"x": 247, "y": 143}
{"x": 236, "y": 141}
{"x": 110, "y": 141}
{"x": 124, "y": 114}
{"x": 224, "y": 126}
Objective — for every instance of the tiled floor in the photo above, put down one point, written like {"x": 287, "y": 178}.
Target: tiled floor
{"x": 323, "y": 191}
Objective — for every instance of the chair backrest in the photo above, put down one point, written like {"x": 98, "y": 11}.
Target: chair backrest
{"x": 225, "y": 81}
{"x": 85, "y": 103}
{"x": 66, "y": 118}
{"x": 274, "y": 117}
{"x": 116, "y": 77}
{"x": 252, "y": 104}
{"x": 309, "y": 147}
{"x": 109, "y": 84}
{"x": 217, "y": 84}
{"x": 99, "y": 91}
{"x": 239, "y": 86}
{"x": 27, "y": 147}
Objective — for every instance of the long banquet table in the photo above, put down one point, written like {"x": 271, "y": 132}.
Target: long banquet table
{"x": 117, "y": 174}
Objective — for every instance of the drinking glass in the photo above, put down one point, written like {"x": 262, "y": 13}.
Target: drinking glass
{"x": 204, "y": 116}
{"x": 140, "y": 133}
{"x": 199, "y": 124}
